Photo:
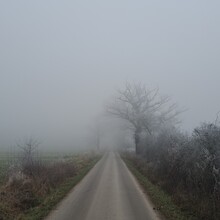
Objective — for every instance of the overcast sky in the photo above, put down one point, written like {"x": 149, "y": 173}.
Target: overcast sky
{"x": 60, "y": 61}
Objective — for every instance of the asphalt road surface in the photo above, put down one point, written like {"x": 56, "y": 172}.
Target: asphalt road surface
{"x": 108, "y": 192}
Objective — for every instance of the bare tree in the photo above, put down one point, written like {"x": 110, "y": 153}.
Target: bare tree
{"x": 29, "y": 148}
{"x": 143, "y": 108}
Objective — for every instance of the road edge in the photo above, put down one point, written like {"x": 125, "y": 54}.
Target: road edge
{"x": 53, "y": 200}
{"x": 143, "y": 191}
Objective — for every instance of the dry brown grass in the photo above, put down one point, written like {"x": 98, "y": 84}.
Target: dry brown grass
{"x": 30, "y": 186}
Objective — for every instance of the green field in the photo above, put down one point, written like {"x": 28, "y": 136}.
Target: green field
{"x": 11, "y": 158}
{"x": 7, "y": 159}
{"x": 3, "y": 169}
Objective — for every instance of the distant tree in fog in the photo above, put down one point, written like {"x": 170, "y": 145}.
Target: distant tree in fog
{"x": 143, "y": 108}
{"x": 96, "y": 132}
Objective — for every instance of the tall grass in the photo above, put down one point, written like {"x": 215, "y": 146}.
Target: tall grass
{"x": 30, "y": 185}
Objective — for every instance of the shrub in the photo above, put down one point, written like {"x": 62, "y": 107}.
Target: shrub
{"x": 187, "y": 167}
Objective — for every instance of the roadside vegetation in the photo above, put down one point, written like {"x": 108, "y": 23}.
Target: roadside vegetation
{"x": 31, "y": 188}
{"x": 4, "y": 164}
{"x": 162, "y": 201}
{"x": 186, "y": 168}
{"x": 2, "y": 173}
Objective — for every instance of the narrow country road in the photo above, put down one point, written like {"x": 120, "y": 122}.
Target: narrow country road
{"x": 108, "y": 192}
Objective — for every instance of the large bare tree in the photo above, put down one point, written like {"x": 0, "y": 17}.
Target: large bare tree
{"x": 143, "y": 108}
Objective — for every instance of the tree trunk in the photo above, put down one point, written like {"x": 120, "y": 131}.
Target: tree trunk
{"x": 137, "y": 141}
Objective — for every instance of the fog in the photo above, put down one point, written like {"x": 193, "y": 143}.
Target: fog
{"x": 60, "y": 61}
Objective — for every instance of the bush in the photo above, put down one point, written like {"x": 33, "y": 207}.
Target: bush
{"x": 25, "y": 190}
{"x": 187, "y": 167}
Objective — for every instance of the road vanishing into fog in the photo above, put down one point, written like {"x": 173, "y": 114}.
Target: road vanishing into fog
{"x": 108, "y": 192}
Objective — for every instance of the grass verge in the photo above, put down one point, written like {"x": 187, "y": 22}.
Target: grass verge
{"x": 2, "y": 174}
{"x": 162, "y": 201}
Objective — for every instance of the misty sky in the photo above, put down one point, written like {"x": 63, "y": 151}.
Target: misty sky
{"x": 61, "y": 60}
